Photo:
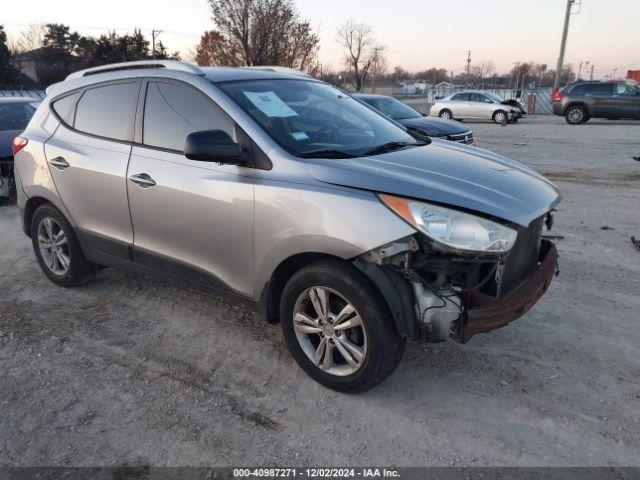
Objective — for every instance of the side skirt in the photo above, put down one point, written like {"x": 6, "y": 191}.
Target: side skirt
{"x": 112, "y": 253}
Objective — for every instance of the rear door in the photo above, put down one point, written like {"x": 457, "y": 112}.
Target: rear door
{"x": 602, "y": 100}
{"x": 460, "y": 105}
{"x": 88, "y": 157}
{"x": 190, "y": 218}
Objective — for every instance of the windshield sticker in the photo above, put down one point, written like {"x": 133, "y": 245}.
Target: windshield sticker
{"x": 299, "y": 136}
{"x": 270, "y": 104}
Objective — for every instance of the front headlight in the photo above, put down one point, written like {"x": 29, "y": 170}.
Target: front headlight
{"x": 453, "y": 229}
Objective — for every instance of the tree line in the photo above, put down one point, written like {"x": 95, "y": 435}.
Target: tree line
{"x": 53, "y": 51}
{"x": 247, "y": 33}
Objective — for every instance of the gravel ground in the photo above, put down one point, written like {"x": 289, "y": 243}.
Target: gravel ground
{"x": 134, "y": 370}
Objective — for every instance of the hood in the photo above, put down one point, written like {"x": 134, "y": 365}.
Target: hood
{"x": 6, "y": 142}
{"x": 450, "y": 174}
{"x": 435, "y": 125}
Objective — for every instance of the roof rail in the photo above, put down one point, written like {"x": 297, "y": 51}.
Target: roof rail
{"x": 279, "y": 69}
{"x": 115, "y": 67}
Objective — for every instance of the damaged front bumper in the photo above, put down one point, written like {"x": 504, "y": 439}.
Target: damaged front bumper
{"x": 442, "y": 309}
{"x": 484, "y": 313}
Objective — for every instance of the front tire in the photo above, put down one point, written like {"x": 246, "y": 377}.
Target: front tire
{"x": 57, "y": 248}
{"x": 500, "y": 116}
{"x": 575, "y": 115}
{"x": 338, "y": 328}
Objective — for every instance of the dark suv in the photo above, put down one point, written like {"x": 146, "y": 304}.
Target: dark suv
{"x": 581, "y": 101}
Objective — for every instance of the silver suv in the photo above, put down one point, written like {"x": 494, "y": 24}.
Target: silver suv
{"x": 291, "y": 196}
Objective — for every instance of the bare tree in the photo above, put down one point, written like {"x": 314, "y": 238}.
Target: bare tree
{"x": 482, "y": 70}
{"x": 259, "y": 32}
{"x": 30, "y": 38}
{"x": 358, "y": 40}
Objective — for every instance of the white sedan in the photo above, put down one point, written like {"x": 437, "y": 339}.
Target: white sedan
{"x": 473, "y": 105}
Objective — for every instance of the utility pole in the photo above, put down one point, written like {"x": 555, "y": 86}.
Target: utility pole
{"x": 468, "y": 67}
{"x": 154, "y": 35}
{"x": 375, "y": 68}
{"x": 563, "y": 44}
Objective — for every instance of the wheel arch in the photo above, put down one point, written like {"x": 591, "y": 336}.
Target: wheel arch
{"x": 577, "y": 103}
{"x": 272, "y": 291}
{"x": 395, "y": 291}
{"x": 30, "y": 207}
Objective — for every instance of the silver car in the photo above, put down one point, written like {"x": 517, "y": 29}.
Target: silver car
{"x": 289, "y": 195}
{"x": 474, "y": 105}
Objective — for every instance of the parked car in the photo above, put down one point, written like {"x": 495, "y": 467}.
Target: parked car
{"x": 418, "y": 124}
{"x": 474, "y": 105}
{"x": 580, "y": 101}
{"x": 291, "y": 196}
{"x": 15, "y": 113}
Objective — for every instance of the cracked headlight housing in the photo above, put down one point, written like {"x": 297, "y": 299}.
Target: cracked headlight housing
{"x": 453, "y": 229}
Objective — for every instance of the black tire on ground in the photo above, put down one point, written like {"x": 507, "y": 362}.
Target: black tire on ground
{"x": 384, "y": 346}
{"x": 79, "y": 268}
{"x": 446, "y": 113}
{"x": 499, "y": 115}
{"x": 575, "y": 115}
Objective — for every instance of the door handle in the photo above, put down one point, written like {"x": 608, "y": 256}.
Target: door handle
{"x": 143, "y": 179}
{"x": 59, "y": 162}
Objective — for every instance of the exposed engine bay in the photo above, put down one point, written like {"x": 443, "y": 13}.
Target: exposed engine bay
{"x": 454, "y": 295}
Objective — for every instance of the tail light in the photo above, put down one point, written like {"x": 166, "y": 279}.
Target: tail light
{"x": 433, "y": 103}
{"x": 557, "y": 95}
{"x": 18, "y": 144}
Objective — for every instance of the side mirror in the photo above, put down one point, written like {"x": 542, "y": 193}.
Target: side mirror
{"x": 212, "y": 146}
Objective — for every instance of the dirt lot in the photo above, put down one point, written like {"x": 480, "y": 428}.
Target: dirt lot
{"x": 133, "y": 370}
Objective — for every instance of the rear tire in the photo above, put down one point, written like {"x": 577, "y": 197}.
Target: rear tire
{"x": 57, "y": 248}
{"x": 575, "y": 115}
{"x": 446, "y": 114}
{"x": 379, "y": 348}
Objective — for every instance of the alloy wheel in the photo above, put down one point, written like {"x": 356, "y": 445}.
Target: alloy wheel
{"x": 575, "y": 115}
{"x": 53, "y": 246}
{"x": 500, "y": 117}
{"x": 330, "y": 331}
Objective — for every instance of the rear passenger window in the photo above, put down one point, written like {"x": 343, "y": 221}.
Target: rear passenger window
{"x": 461, "y": 97}
{"x": 108, "y": 111}
{"x": 593, "y": 88}
{"x": 64, "y": 107}
{"x": 171, "y": 112}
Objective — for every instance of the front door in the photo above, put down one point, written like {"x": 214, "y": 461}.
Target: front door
{"x": 190, "y": 218}
{"x": 627, "y": 98}
{"x": 88, "y": 156}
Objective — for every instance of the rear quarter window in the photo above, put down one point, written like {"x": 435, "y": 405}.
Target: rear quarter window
{"x": 108, "y": 111}
{"x": 64, "y": 107}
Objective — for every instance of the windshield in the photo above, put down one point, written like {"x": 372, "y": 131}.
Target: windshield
{"x": 493, "y": 97}
{"x": 393, "y": 108}
{"x": 305, "y": 117}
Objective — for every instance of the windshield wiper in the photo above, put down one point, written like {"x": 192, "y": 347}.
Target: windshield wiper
{"x": 390, "y": 146}
{"x": 327, "y": 154}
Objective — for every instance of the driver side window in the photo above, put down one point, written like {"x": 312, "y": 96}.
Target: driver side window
{"x": 173, "y": 111}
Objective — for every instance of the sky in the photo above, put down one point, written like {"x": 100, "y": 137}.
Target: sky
{"x": 416, "y": 34}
